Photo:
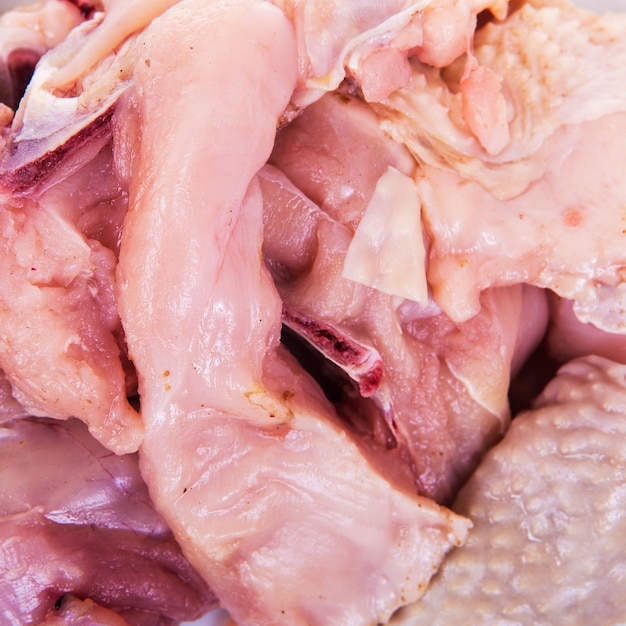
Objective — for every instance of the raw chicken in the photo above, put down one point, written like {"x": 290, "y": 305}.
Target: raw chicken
{"x": 74, "y": 612}
{"x": 525, "y": 213}
{"x": 61, "y": 211}
{"x": 547, "y": 505}
{"x": 372, "y": 41}
{"x": 282, "y": 510}
{"x": 61, "y": 346}
{"x": 565, "y": 232}
{"x": 77, "y": 519}
{"x": 292, "y": 515}
{"x": 568, "y": 338}
{"x": 50, "y": 126}
{"x": 26, "y": 33}
{"x": 459, "y": 407}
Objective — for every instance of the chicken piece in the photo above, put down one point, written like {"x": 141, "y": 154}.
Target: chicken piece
{"x": 282, "y": 511}
{"x": 555, "y": 64}
{"x": 62, "y": 346}
{"x": 525, "y": 213}
{"x": 547, "y": 505}
{"x": 540, "y": 237}
{"x": 51, "y": 126}
{"x": 26, "y": 33}
{"x": 444, "y": 401}
{"x": 387, "y": 344}
{"x": 568, "y": 338}
{"x": 77, "y": 519}
{"x": 61, "y": 213}
{"x": 62, "y": 209}
{"x": 372, "y": 41}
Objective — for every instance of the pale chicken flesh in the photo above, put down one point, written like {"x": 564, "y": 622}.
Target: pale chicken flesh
{"x": 407, "y": 226}
{"x": 61, "y": 346}
{"x": 459, "y": 407}
{"x": 25, "y": 35}
{"x": 524, "y": 213}
{"x": 262, "y": 527}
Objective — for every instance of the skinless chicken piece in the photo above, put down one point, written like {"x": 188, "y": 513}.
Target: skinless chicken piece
{"x": 61, "y": 212}
{"x": 372, "y": 41}
{"x": 62, "y": 345}
{"x": 51, "y": 125}
{"x": 71, "y": 96}
{"x": 548, "y": 508}
{"x": 444, "y": 401}
{"x": 569, "y": 338}
{"x": 77, "y": 519}
{"x": 287, "y": 516}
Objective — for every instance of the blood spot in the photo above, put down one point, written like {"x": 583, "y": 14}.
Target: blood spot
{"x": 573, "y": 218}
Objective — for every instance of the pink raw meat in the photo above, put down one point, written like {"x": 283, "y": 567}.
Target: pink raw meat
{"x": 75, "y": 612}
{"x": 444, "y": 401}
{"x": 26, "y": 33}
{"x": 61, "y": 346}
{"x": 566, "y": 232}
{"x": 534, "y": 210}
{"x": 77, "y": 519}
{"x": 373, "y": 41}
{"x": 267, "y": 492}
